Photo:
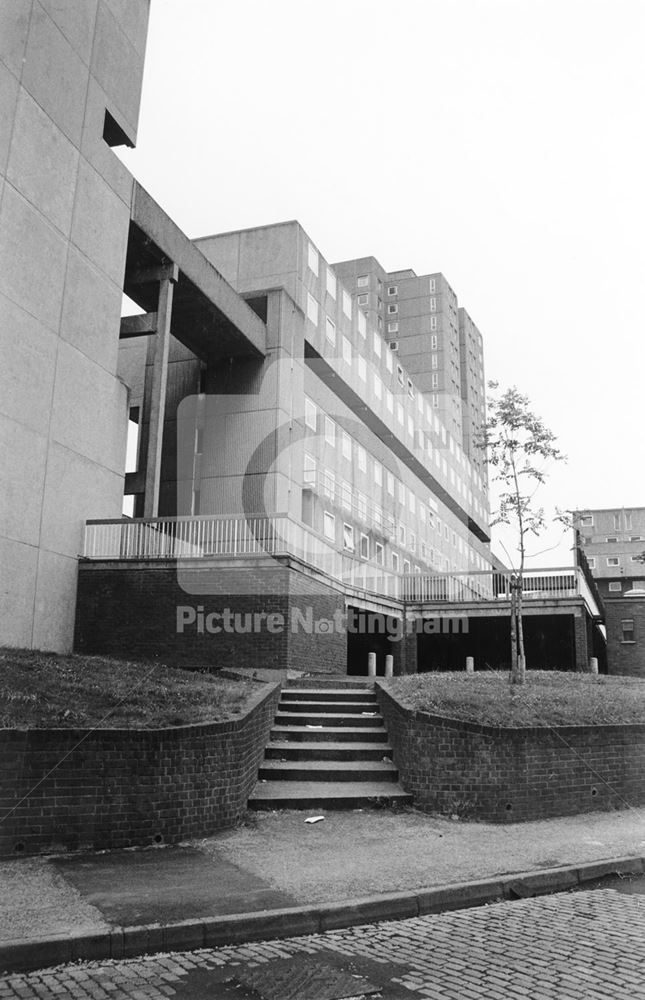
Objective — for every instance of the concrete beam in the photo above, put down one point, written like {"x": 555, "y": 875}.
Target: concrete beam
{"x": 162, "y": 272}
{"x": 157, "y": 402}
{"x": 138, "y": 326}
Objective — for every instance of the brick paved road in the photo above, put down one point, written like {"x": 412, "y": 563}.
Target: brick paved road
{"x": 579, "y": 946}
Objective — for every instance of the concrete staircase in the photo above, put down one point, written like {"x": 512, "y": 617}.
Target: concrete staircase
{"x": 328, "y": 750}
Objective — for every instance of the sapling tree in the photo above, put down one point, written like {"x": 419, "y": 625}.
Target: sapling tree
{"x": 519, "y": 447}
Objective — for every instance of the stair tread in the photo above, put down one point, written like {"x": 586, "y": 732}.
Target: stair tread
{"x": 346, "y": 692}
{"x": 329, "y": 765}
{"x": 327, "y": 789}
{"x": 364, "y": 730}
{"x": 354, "y": 746}
{"x": 332, "y": 715}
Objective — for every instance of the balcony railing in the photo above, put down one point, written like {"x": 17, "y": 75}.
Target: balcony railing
{"x": 281, "y": 535}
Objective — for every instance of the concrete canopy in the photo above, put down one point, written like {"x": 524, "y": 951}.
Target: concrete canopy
{"x": 208, "y": 316}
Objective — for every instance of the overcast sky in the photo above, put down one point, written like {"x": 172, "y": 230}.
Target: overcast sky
{"x": 497, "y": 141}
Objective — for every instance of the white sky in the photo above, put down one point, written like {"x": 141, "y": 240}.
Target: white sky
{"x": 498, "y": 141}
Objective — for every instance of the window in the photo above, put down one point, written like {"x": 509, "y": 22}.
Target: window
{"x": 435, "y": 361}
{"x": 592, "y": 562}
{"x": 587, "y": 521}
{"x": 348, "y": 537}
{"x": 435, "y": 400}
{"x": 412, "y": 502}
{"x": 362, "y": 369}
{"x": 627, "y": 627}
{"x": 628, "y": 520}
{"x": 401, "y": 492}
{"x": 330, "y": 331}
{"x": 347, "y": 304}
{"x": 612, "y": 539}
{"x": 362, "y": 324}
{"x": 435, "y": 381}
{"x": 636, "y": 559}
{"x": 410, "y": 389}
{"x": 433, "y": 285}
{"x": 393, "y": 290}
{"x": 393, "y": 345}
{"x": 400, "y": 415}
{"x": 433, "y": 322}
{"x": 331, "y": 282}
{"x": 346, "y": 445}
{"x": 312, "y": 258}
{"x": 389, "y": 400}
{"x": 378, "y": 473}
{"x": 361, "y": 506}
{"x": 395, "y": 562}
{"x": 363, "y": 280}
{"x": 309, "y": 475}
{"x": 615, "y": 586}
{"x": 377, "y": 344}
{"x": 389, "y": 482}
{"x": 392, "y": 327}
{"x": 410, "y": 426}
{"x": 346, "y": 348}
{"x": 422, "y": 513}
{"x": 312, "y": 308}
{"x": 363, "y": 300}
{"x": 310, "y": 414}
{"x": 613, "y": 561}
{"x": 330, "y": 431}
{"x": 346, "y": 494}
{"x": 392, "y": 309}
{"x": 433, "y": 305}
{"x": 388, "y": 361}
{"x": 400, "y": 377}
{"x": 636, "y": 538}
{"x": 406, "y": 565}
{"x": 401, "y": 534}
{"x": 616, "y": 522}
{"x": 378, "y": 387}
{"x": 328, "y": 483}
{"x": 361, "y": 457}
{"x": 364, "y": 546}
{"x": 329, "y": 525}
{"x": 378, "y": 554}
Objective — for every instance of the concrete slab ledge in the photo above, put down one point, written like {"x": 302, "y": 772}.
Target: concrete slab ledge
{"x": 266, "y": 925}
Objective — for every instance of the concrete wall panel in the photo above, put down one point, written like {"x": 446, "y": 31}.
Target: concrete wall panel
{"x": 89, "y": 410}
{"x": 54, "y": 604}
{"x": 100, "y": 226}
{"x": 32, "y": 259}
{"x": 76, "y": 21}
{"x": 17, "y": 592}
{"x": 8, "y": 101}
{"x": 27, "y": 383}
{"x": 14, "y": 28}
{"x": 55, "y": 75}
{"x": 91, "y": 311}
{"x": 118, "y": 68}
{"x": 22, "y": 460}
{"x": 43, "y": 163}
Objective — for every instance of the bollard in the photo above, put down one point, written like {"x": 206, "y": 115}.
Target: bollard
{"x": 593, "y": 665}
{"x": 470, "y": 664}
{"x": 371, "y": 664}
{"x": 389, "y": 665}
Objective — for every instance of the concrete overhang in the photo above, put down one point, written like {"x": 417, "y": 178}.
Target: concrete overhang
{"x": 208, "y": 315}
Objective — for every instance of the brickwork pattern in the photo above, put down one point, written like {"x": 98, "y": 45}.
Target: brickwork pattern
{"x": 506, "y": 775}
{"x": 583, "y": 946}
{"x": 625, "y": 657}
{"x": 70, "y": 789}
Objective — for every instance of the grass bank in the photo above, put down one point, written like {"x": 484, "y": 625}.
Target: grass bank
{"x": 549, "y": 698}
{"x": 42, "y": 690}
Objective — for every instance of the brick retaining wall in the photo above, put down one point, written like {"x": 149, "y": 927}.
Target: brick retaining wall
{"x": 506, "y": 775}
{"x": 119, "y": 788}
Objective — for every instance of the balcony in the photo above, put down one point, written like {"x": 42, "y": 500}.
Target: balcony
{"x": 210, "y": 536}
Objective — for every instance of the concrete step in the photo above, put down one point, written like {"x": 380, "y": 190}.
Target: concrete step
{"x": 326, "y": 795}
{"x": 327, "y": 750}
{"x": 299, "y": 733}
{"x": 335, "y": 719}
{"x": 332, "y": 694}
{"x": 353, "y": 707}
{"x": 328, "y": 770}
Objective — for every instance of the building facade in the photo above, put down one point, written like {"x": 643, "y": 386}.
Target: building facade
{"x": 70, "y": 85}
{"x": 613, "y": 541}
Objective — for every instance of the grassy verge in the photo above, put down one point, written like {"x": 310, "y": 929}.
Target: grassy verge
{"x": 41, "y": 690}
{"x": 549, "y": 698}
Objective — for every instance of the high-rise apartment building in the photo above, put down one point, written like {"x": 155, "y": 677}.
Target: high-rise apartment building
{"x": 433, "y": 338}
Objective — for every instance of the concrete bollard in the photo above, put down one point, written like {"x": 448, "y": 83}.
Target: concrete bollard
{"x": 593, "y": 665}
{"x": 371, "y": 664}
{"x": 470, "y": 664}
{"x": 389, "y": 665}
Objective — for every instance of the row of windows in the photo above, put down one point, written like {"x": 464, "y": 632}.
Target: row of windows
{"x": 611, "y": 560}
{"x": 620, "y": 517}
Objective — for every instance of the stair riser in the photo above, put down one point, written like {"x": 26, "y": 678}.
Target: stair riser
{"x": 321, "y": 735}
{"x": 353, "y": 721}
{"x": 306, "y": 774}
{"x": 311, "y": 802}
{"x": 332, "y": 696}
{"x": 319, "y": 752}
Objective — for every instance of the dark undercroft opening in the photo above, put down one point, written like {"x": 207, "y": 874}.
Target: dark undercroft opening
{"x": 368, "y": 633}
{"x": 548, "y": 640}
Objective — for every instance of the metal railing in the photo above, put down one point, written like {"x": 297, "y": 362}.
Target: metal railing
{"x": 281, "y": 535}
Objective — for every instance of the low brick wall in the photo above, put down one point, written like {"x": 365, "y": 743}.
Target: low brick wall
{"x": 506, "y": 775}
{"x": 74, "y": 789}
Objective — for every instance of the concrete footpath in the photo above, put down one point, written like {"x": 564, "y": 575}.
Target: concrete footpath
{"x": 277, "y": 875}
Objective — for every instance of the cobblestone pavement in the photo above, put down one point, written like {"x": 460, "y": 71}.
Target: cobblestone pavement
{"x": 578, "y": 946}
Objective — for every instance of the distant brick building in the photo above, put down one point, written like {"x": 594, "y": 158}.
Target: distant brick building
{"x": 613, "y": 540}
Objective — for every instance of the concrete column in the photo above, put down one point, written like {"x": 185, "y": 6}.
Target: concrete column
{"x": 593, "y": 665}
{"x": 157, "y": 403}
{"x": 389, "y": 665}
{"x": 470, "y": 664}
{"x": 371, "y": 664}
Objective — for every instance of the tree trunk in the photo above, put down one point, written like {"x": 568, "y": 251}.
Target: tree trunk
{"x": 514, "y": 660}
{"x": 521, "y": 658}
